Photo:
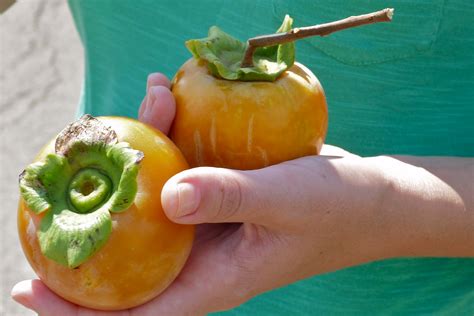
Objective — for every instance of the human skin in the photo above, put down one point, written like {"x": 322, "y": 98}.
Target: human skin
{"x": 266, "y": 228}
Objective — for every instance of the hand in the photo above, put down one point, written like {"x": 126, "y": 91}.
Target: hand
{"x": 298, "y": 218}
{"x": 263, "y": 229}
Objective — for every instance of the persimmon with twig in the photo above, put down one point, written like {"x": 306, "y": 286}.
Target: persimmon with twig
{"x": 249, "y": 105}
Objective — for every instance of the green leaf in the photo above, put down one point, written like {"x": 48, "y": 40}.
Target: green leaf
{"x": 224, "y": 55}
{"x": 43, "y": 183}
{"x": 71, "y": 239}
{"x": 128, "y": 160}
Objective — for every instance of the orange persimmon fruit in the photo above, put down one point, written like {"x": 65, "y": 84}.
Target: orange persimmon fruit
{"x": 90, "y": 218}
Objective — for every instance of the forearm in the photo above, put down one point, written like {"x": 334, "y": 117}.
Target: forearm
{"x": 428, "y": 207}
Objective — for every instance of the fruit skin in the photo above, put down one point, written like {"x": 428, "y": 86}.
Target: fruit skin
{"x": 145, "y": 251}
{"x": 247, "y": 125}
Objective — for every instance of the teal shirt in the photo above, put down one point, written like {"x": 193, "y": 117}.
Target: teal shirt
{"x": 405, "y": 87}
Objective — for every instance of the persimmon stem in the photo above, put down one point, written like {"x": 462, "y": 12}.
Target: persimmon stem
{"x": 315, "y": 30}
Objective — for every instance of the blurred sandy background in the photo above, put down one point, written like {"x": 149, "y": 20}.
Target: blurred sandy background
{"x": 41, "y": 69}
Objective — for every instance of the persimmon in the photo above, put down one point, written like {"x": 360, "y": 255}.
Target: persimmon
{"x": 249, "y": 105}
{"x": 90, "y": 218}
{"x": 247, "y": 125}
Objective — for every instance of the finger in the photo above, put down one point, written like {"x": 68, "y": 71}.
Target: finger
{"x": 157, "y": 79}
{"x": 34, "y": 295}
{"x": 154, "y": 79}
{"x": 141, "y": 110}
{"x": 159, "y": 108}
{"x": 267, "y": 196}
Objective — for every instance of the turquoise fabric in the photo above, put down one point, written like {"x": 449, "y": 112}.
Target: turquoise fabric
{"x": 401, "y": 88}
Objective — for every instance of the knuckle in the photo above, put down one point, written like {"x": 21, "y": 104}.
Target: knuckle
{"x": 230, "y": 202}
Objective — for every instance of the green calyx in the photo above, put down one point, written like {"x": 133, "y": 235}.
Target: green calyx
{"x": 88, "y": 189}
{"x": 225, "y": 53}
{"x": 90, "y": 175}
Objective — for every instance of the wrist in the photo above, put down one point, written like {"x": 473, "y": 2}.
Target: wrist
{"x": 379, "y": 232}
{"x": 422, "y": 214}
{"x": 366, "y": 189}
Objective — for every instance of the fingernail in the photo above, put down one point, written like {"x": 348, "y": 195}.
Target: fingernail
{"x": 188, "y": 198}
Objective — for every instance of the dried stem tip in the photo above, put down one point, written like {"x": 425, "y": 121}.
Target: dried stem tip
{"x": 320, "y": 29}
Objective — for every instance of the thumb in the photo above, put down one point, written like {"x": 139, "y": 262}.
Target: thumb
{"x": 216, "y": 195}
{"x": 206, "y": 195}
